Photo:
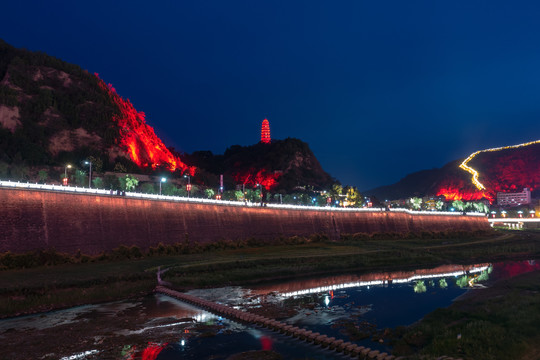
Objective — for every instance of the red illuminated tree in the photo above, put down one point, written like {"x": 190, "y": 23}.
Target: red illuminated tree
{"x": 138, "y": 139}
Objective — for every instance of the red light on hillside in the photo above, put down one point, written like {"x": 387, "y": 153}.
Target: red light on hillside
{"x": 265, "y": 132}
{"x": 252, "y": 177}
{"x": 65, "y": 181}
{"x": 138, "y": 139}
{"x": 454, "y": 193}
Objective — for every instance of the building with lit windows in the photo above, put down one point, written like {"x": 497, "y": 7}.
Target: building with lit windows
{"x": 514, "y": 199}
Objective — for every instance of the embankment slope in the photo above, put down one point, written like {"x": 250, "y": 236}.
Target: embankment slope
{"x": 33, "y": 220}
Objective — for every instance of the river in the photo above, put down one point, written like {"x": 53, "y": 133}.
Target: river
{"x": 353, "y": 307}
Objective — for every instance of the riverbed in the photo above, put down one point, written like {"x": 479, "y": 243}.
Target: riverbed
{"x": 353, "y": 307}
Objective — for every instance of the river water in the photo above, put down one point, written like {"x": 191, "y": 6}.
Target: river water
{"x": 356, "y": 308}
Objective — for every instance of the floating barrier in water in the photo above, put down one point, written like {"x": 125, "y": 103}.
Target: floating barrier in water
{"x": 338, "y": 345}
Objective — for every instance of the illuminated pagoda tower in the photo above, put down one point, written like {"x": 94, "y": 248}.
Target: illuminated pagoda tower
{"x": 265, "y": 132}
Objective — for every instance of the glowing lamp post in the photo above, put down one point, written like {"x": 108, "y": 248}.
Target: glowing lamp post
{"x": 503, "y": 213}
{"x": 493, "y": 213}
{"x": 89, "y": 173}
{"x": 261, "y": 193}
{"x": 532, "y": 213}
{"x": 520, "y": 213}
{"x": 162, "y": 180}
{"x": 188, "y": 186}
{"x": 65, "y": 179}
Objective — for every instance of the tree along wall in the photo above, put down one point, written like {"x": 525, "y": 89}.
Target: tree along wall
{"x": 33, "y": 220}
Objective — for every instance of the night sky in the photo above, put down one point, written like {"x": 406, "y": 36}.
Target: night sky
{"x": 378, "y": 89}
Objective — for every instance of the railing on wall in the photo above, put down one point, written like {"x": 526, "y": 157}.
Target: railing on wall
{"x": 82, "y": 190}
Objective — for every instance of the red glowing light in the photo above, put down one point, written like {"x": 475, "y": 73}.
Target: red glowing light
{"x": 138, "y": 139}
{"x": 511, "y": 269}
{"x": 452, "y": 193}
{"x": 265, "y": 132}
{"x": 65, "y": 181}
{"x": 152, "y": 351}
{"x": 253, "y": 177}
{"x": 505, "y": 169}
{"x": 266, "y": 343}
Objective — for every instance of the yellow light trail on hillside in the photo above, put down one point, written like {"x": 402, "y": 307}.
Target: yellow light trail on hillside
{"x": 474, "y": 173}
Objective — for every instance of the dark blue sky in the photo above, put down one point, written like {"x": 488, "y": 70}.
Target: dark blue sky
{"x": 378, "y": 89}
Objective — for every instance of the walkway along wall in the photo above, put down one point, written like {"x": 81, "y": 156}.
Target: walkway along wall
{"x": 33, "y": 219}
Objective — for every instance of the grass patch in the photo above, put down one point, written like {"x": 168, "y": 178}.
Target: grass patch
{"x": 47, "y": 280}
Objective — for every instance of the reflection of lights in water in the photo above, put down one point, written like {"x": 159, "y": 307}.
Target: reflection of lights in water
{"x": 80, "y": 355}
{"x": 183, "y": 342}
{"x": 200, "y": 317}
{"x": 420, "y": 287}
{"x": 326, "y": 300}
{"x": 154, "y": 327}
{"x": 266, "y": 342}
{"x": 152, "y": 351}
{"x": 367, "y": 284}
{"x": 443, "y": 284}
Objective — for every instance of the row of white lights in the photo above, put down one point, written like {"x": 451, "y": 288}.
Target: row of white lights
{"x": 514, "y": 219}
{"x": 80, "y": 355}
{"x": 321, "y": 289}
{"x": 219, "y": 202}
{"x": 475, "y": 174}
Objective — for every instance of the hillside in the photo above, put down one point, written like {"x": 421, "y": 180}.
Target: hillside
{"x": 504, "y": 169}
{"x": 51, "y": 110}
{"x": 53, "y": 113}
{"x": 280, "y": 165}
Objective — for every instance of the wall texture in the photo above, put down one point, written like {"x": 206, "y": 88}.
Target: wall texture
{"x": 31, "y": 220}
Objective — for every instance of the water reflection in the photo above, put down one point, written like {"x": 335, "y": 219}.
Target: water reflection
{"x": 358, "y": 307}
{"x": 351, "y": 307}
{"x": 419, "y": 287}
{"x": 311, "y": 286}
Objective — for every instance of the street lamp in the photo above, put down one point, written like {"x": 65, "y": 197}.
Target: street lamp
{"x": 88, "y": 162}
{"x": 188, "y": 186}
{"x": 65, "y": 179}
{"x": 260, "y": 193}
{"x": 162, "y": 180}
